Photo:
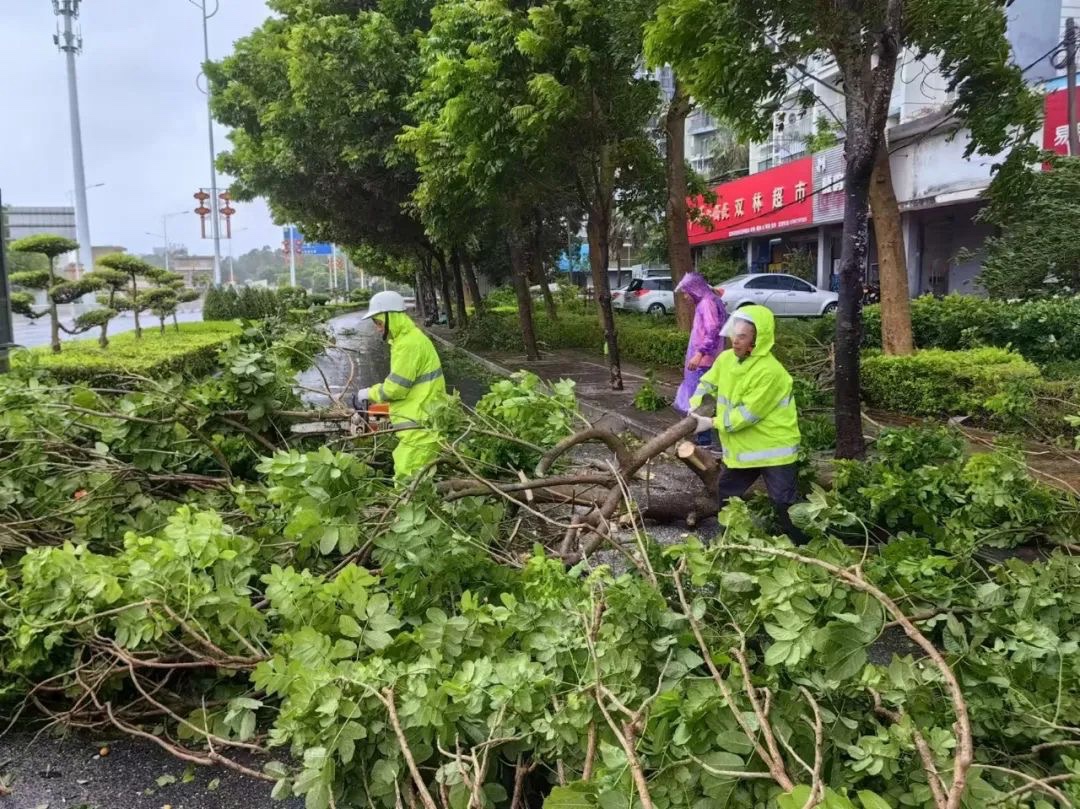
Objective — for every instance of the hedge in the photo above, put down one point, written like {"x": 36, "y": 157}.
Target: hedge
{"x": 643, "y": 339}
{"x": 992, "y": 384}
{"x": 1043, "y": 331}
{"x": 192, "y": 352}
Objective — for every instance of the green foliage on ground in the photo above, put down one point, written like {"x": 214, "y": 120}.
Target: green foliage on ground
{"x": 648, "y": 398}
{"x": 466, "y": 637}
{"x": 191, "y": 352}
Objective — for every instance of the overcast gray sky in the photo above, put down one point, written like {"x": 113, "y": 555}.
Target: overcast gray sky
{"x": 143, "y": 120}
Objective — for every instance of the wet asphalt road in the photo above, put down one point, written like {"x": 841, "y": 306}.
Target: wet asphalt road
{"x": 361, "y": 359}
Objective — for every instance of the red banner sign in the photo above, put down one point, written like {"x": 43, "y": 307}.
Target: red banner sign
{"x": 1056, "y": 122}
{"x": 777, "y": 199}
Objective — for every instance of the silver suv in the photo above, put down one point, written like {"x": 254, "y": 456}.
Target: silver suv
{"x": 654, "y": 296}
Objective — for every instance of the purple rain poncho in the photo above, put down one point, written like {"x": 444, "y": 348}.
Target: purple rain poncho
{"x": 710, "y": 314}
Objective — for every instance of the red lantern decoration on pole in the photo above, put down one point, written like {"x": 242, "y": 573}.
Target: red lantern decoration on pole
{"x": 226, "y": 209}
{"x": 202, "y": 210}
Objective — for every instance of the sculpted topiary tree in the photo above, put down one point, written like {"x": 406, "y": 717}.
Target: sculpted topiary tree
{"x": 52, "y": 247}
{"x": 134, "y": 268}
{"x": 113, "y": 282}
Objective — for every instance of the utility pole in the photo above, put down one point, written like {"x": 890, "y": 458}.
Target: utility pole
{"x": 214, "y": 201}
{"x": 70, "y": 43}
{"x": 7, "y": 332}
{"x": 1070, "y": 83}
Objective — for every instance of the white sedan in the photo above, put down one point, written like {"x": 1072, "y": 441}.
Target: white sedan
{"x": 785, "y": 295}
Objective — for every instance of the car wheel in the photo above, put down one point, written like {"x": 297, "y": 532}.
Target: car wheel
{"x": 657, "y": 309}
{"x": 830, "y": 309}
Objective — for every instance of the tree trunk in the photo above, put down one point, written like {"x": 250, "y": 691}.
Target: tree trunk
{"x": 421, "y": 308}
{"x": 538, "y": 276}
{"x": 472, "y": 281}
{"x": 444, "y": 283}
{"x": 519, "y": 270}
{"x": 135, "y": 307}
{"x": 896, "y": 336}
{"x": 599, "y": 226}
{"x": 678, "y": 236}
{"x": 431, "y": 303}
{"x": 162, "y": 321}
{"x": 868, "y": 88}
{"x": 176, "y": 323}
{"x": 459, "y": 286}
{"x": 103, "y": 340}
{"x": 54, "y": 315}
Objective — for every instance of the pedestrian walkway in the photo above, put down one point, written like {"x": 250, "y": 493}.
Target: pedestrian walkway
{"x": 598, "y": 402}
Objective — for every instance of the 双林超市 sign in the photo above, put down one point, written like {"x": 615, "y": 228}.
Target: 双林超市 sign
{"x": 777, "y": 199}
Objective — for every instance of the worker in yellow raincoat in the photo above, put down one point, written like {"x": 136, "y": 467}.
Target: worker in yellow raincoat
{"x": 756, "y": 417}
{"x": 414, "y": 388}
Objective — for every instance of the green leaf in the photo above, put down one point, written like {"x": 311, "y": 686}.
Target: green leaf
{"x": 276, "y": 769}
{"x": 871, "y": 801}
{"x": 165, "y": 780}
{"x": 778, "y": 653}
{"x": 578, "y": 795}
{"x": 348, "y": 627}
{"x": 795, "y": 799}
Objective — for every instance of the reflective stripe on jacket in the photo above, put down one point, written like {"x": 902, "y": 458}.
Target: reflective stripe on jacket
{"x": 756, "y": 416}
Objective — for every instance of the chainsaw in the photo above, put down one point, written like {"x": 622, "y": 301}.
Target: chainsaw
{"x": 371, "y": 418}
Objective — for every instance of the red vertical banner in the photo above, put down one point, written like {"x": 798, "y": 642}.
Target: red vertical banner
{"x": 1056, "y": 122}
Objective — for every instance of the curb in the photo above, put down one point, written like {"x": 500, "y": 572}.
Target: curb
{"x": 596, "y": 414}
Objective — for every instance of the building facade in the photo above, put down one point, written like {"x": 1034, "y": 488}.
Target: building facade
{"x": 197, "y": 271}
{"x": 792, "y": 202}
{"x": 23, "y": 221}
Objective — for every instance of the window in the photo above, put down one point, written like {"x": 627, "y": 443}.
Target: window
{"x": 766, "y": 281}
{"x": 795, "y": 284}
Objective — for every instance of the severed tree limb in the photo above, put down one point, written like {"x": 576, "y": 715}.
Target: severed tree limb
{"x": 386, "y": 697}
{"x": 964, "y": 756}
{"x": 776, "y": 767}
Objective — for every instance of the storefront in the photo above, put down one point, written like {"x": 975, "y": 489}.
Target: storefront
{"x": 937, "y": 189}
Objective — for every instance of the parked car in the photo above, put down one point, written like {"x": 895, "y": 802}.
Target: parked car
{"x": 785, "y": 295}
{"x": 618, "y": 298}
{"x": 655, "y": 296}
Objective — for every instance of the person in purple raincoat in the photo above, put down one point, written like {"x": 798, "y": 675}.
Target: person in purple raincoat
{"x": 705, "y": 344}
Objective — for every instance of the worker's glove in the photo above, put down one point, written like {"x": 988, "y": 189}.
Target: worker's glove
{"x": 360, "y": 398}
{"x": 704, "y": 423}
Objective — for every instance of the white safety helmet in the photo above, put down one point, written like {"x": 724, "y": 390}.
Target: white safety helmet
{"x": 383, "y": 302}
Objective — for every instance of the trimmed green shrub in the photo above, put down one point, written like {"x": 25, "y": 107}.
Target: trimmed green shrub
{"x": 255, "y": 303}
{"x": 990, "y": 383}
{"x": 191, "y": 352}
{"x": 1043, "y": 331}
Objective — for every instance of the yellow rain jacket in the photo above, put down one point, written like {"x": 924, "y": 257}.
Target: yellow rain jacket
{"x": 755, "y": 408}
{"x": 413, "y": 388}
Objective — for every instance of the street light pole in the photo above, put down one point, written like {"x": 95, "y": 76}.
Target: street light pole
{"x": 70, "y": 43}
{"x": 165, "y": 232}
{"x": 214, "y": 201}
